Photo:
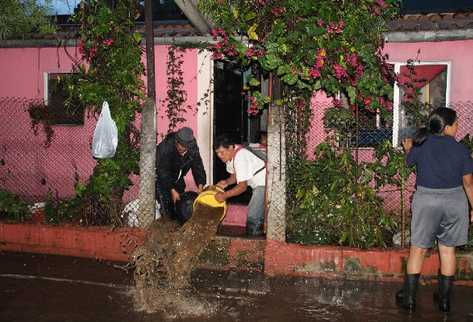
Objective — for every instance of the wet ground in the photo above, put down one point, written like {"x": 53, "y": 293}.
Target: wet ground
{"x": 40, "y": 288}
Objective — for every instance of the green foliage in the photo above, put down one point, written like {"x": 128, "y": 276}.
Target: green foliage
{"x": 19, "y": 18}
{"x": 390, "y": 166}
{"x": 336, "y": 203}
{"x": 310, "y": 45}
{"x": 12, "y": 207}
{"x": 468, "y": 142}
{"x": 339, "y": 119}
{"x": 60, "y": 211}
{"x": 110, "y": 70}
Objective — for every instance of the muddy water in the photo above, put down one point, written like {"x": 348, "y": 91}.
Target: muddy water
{"x": 164, "y": 264}
{"x": 61, "y": 295}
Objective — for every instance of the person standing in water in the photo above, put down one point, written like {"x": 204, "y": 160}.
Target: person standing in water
{"x": 440, "y": 206}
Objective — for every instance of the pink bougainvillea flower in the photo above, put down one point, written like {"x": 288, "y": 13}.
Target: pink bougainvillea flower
{"x": 219, "y": 33}
{"x": 108, "y": 42}
{"x": 277, "y": 11}
{"x": 81, "y": 47}
{"x": 230, "y": 51}
{"x": 253, "y": 108}
{"x": 92, "y": 52}
{"x": 314, "y": 72}
{"x": 300, "y": 103}
{"x": 320, "y": 23}
{"x": 337, "y": 102}
{"x": 336, "y": 28}
{"x": 381, "y": 3}
{"x": 340, "y": 71}
{"x": 359, "y": 71}
{"x": 252, "y": 52}
{"x": 352, "y": 60}
{"x": 217, "y": 55}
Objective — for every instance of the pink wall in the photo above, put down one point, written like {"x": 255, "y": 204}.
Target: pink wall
{"x": 459, "y": 53}
{"x": 27, "y": 164}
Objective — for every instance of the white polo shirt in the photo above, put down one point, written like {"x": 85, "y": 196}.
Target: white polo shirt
{"x": 245, "y": 164}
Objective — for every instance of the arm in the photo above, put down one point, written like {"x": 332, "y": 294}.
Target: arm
{"x": 235, "y": 191}
{"x": 407, "y": 144}
{"x": 227, "y": 182}
{"x": 468, "y": 185}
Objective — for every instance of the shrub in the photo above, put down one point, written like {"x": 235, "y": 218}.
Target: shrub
{"x": 335, "y": 203}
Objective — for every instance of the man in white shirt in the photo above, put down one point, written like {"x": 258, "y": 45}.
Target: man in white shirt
{"x": 246, "y": 169}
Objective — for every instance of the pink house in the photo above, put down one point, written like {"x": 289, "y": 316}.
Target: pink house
{"x": 441, "y": 46}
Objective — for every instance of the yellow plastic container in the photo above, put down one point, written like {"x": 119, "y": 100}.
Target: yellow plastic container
{"x": 207, "y": 197}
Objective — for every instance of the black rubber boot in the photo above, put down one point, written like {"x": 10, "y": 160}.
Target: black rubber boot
{"x": 445, "y": 289}
{"x": 406, "y": 297}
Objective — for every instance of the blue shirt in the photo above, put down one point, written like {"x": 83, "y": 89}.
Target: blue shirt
{"x": 441, "y": 162}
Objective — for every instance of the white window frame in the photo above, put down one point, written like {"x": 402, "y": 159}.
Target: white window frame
{"x": 397, "y": 99}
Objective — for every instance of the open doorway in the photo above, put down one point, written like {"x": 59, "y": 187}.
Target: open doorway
{"x": 230, "y": 111}
{"x": 230, "y": 117}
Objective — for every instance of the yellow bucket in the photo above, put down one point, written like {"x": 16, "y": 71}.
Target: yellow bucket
{"x": 207, "y": 197}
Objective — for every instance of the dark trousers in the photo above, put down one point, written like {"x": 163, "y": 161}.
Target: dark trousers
{"x": 165, "y": 200}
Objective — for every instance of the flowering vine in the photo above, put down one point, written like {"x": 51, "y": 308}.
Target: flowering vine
{"x": 175, "y": 101}
{"x": 334, "y": 46}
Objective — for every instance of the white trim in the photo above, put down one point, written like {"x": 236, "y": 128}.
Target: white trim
{"x": 205, "y": 110}
{"x": 45, "y": 87}
{"x": 397, "y": 99}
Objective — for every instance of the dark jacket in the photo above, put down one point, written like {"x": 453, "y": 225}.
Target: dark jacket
{"x": 171, "y": 167}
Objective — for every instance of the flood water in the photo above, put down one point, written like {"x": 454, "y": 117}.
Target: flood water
{"x": 44, "y": 288}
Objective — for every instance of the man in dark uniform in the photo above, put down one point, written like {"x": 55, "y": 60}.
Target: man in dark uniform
{"x": 175, "y": 156}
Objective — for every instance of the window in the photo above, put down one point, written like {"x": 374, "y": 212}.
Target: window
{"x": 430, "y": 85}
{"x": 55, "y": 97}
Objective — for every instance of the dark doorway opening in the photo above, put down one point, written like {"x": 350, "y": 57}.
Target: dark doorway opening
{"x": 231, "y": 117}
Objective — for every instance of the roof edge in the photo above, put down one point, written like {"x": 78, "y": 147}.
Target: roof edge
{"x": 198, "y": 41}
{"x": 428, "y": 35}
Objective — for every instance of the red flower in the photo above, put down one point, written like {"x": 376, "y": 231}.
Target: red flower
{"x": 367, "y": 101}
{"x": 108, "y": 42}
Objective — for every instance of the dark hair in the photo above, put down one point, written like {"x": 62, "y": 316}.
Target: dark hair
{"x": 438, "y": 120}
{"x": 223, "y": 140}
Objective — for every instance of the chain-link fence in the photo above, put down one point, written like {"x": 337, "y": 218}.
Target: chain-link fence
{"x": 361, "y": 145}
{"x": 46, "y": 165}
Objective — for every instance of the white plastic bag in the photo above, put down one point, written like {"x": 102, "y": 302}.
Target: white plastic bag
{"x": 105, "y": 140}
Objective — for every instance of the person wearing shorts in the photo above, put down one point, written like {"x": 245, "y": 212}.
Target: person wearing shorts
{"x": 440, "y": 211}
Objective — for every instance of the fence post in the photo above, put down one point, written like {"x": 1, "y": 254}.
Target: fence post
{"x": 147, "y": 164}
{"x": 276, "y": 176}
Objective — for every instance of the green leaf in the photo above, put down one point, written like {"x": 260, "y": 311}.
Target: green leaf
{"x": 283, "y": 69}
{"x": 289, "y": 79}
{"x": 351, "y": 91}
{"x": 253, "y": 82}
